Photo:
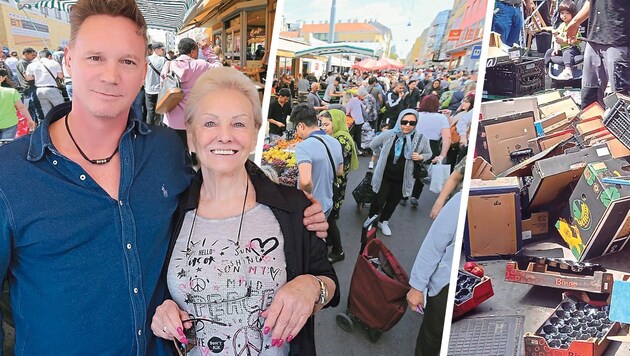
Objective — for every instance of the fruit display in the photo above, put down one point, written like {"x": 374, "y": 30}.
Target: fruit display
{"x": 282, "y": 158}
{"x": 575, "y": 320}
{"x": 474, "y": 268}
{"x": 465, "y": 285}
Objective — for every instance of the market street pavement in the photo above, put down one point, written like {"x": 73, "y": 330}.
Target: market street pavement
{"x": 409, "y": 227}
{"x": 537, "y": 303}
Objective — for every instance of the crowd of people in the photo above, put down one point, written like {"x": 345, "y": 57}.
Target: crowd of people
{"x": 401, "y": 119}
{"x": 436, "y": 105}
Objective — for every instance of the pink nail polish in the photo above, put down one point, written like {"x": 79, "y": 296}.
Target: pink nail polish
{"x": 266, "y": 331}
{"x": 180, "y": 331}
{"x": 280, "y": 343}
{"x": 274, "y": 342}
{"x": 290, "y": 338}
{"x": 183, "y": 341}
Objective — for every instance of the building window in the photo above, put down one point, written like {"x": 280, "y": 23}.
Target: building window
{"x": 44, "y": 11}
{"x": 57, "y": 14}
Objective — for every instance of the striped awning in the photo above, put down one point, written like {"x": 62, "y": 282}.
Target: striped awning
{"x": 160, "y": 14}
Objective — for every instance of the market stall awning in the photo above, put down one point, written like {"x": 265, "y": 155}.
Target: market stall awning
{"x": 200, "y": 14}
{"x": 336, "y": 49}
{"x": 160, "y": 14}
{"x": 371, "y": 64}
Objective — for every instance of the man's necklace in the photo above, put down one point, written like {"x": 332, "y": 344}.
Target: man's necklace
{"x": 93, "y": 161}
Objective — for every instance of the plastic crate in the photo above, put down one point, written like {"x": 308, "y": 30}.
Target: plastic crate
{"x": 617, "y": 121}
{"x": 516, "y": 79}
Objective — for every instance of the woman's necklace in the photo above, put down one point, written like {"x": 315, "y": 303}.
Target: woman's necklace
{"x": 93, "y": 161}
{"x": 238, "y": 236}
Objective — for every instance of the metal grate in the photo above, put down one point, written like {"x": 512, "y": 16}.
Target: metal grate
{"x": 487, "y": 336}
{"x": 617, "y": 120}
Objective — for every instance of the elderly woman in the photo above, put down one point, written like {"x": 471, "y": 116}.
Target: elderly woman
{"x": 245, "y": 275}
{"x": 334, "y": 123}
{"x": 393, "y": 175}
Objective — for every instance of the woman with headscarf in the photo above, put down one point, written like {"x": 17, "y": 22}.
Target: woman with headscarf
{"x": 393, "y": 175}
{"x": 435, "y": 88}
{"x": 334, "y": 123}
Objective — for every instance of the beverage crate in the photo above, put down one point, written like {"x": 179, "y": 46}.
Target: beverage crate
{"x": 516, "y": 79}
{"x": 618, "y": 120}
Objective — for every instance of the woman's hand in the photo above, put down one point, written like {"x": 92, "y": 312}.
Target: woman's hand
{"x": 415, "y": 156}
{"x": 437, "y": 159}
{"x": 290, "y": 309}
{"x": 167, "y": 322}
{"x": 415, "y": 299}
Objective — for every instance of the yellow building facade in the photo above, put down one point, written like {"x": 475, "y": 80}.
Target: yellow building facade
{"x": 33, "y": 28}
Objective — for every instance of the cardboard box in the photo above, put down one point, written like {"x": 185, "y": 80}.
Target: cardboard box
{"x": 499, "y": 137}
{"x": 542, "y": 143}
{"x": 538, "y": 274}
{"x": 548, "y": 96}
{"x": 591, "y": 111}
{"x": 506, "y": 107}
{"x": 599, "y": 222}
{"x": 536, "y": 225}
{"x": 554, "y": 174}
{"x": 493, "y": 224}
{"x": 481, "y": 169}
{"x": 481, "y": 292}
{"x": 563, "y": 105}
{"x": 536, "y": 345}
{"x": 551, "y": 123}
{"x": 524, "y": 169}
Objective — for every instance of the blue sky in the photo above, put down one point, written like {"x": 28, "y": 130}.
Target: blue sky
{"x": 393, "y": 14}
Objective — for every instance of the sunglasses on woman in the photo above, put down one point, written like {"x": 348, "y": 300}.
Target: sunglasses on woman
{"x": 408, "y": 122}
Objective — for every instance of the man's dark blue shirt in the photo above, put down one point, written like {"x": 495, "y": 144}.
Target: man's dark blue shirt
{"x": 83, "y": 267}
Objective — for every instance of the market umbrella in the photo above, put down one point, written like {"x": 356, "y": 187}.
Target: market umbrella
{"x": 160, "y": 14}
{"x": 372, "y": 64}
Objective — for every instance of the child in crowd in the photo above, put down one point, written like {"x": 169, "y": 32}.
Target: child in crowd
{"x": 561, "y": 47}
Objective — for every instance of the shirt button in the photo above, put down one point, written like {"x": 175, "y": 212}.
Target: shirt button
{"x": 82, "y": 177}
{"x": 128, "y": 246}
{"x": 135, "y": 290}
{"x": 54, "y": 162}
{"x": 120, "y": 202}
{"x": 139, "y": 332}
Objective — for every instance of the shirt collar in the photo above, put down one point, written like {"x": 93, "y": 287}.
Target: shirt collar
{"x": 316, "y": 132}
{"x": 40, "y": 138}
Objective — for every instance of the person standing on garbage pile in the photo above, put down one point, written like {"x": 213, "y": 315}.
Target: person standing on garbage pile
{"x": 508, "y": 20}
{"x": 430, "y": 275}
{"x": 393, "y": 174}
{"x": 607, "y": 52}
{"x": 435, "y": 127}
{"x": 334, "y": 123}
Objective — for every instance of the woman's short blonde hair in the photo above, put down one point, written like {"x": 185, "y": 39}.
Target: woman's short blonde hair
{"x": 223, "y": 78}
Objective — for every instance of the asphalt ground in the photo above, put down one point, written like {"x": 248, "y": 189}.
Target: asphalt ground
{"x": 537, "y": 303}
